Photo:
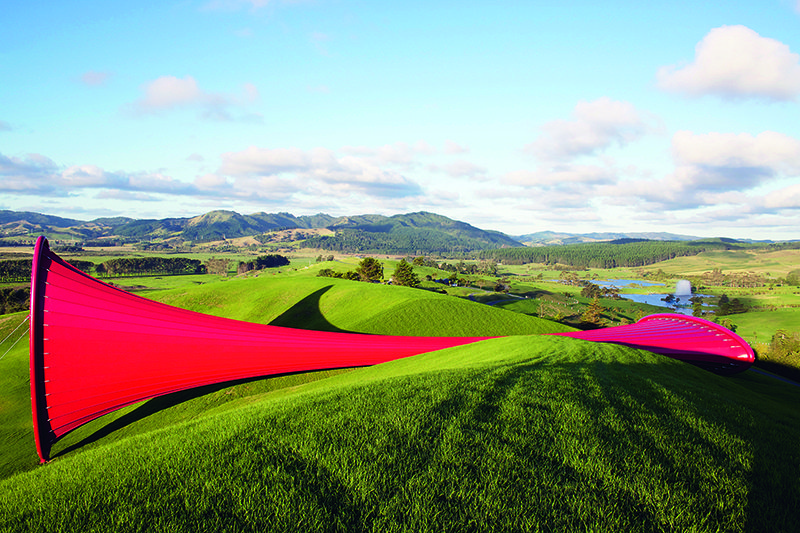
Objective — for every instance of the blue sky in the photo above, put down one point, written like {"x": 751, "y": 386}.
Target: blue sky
{"x": 516, "y": 116}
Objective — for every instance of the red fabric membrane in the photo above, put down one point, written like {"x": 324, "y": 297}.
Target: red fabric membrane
{"x": 95, "y": 348}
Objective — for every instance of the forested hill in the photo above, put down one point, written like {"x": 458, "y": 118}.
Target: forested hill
{"x": 413, "y": 233}
{"x": 622, "y": 253}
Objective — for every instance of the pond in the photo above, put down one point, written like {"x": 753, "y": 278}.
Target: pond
{"x": 682, "y": 304}
{"x": 623, "y": 283}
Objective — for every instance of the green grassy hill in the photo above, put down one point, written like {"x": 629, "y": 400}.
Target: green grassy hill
{"x": 527, "y": 433}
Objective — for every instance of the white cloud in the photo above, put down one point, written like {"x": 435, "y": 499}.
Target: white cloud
{"x": 5, "y": 126}
{"x": 736, "y": 62}
{"x": 400, "y": 153}
{"x": 717, "y": 170}
{"x": 39, "y": 175}
{"x": 317, "y": 171}
{"x": 728, "y": 161}
{"x": 169, "y": 93}
{"x": 461, "y": 169}
{"x": 451, "y": 147}
{"x": 785, "y": 198}
{"x": 27, "y": 175}
{"x": 595, "y": 126}
{"x": 562, "y": 176}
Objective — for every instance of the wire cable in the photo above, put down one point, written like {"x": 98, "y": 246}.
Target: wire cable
{"x": 27, "y": 317}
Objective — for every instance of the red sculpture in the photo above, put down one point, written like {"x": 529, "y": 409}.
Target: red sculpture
{"x": 95, "y": 348}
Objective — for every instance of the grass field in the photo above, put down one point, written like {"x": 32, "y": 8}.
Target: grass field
{"x": 771, "y": 264}
{"x": 524, "y": 433}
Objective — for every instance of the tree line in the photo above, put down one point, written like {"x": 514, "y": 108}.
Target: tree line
{"x": 261, "y": 262}
{"x": 601, "y": 255}
{"x": 399, "y": 241}
{"x": 131, "y": 266}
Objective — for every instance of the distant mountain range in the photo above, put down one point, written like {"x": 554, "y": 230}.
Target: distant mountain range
{"x": 552, "y": 237}
{"x": 408, "y": 233}
{"x": 420, "y": 230}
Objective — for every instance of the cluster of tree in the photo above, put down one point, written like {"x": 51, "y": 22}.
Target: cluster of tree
{"x": 793, "y": 278}
{"x": 15, "y": 270}
{"x": 261, "y": 262}
{"x": 404, "y": 275}
{"x": 717, "y": 278}
{"x": 67, "y": 248}
{"x": 13, "y": 299}
{"x": 592, "y": 290}
{"x": 330, "y": 273}
{"x": 602, "y": 255}
{"x": 21, "y": 242}
{"x": 218, "y": 266}
{"x": 593, "y": 315}
{"x": 424, "y": 262}
{"x": 785, "y": 344}
{"x": 321, "y": 258}
{"x": 131, "y": 266}
{"x": 782, "y": 355}
{"x": 84, "y": 266}
{"x": 726, "y": 306}
{"x": 485, "y": 267}
{"x": 369, "y": 269}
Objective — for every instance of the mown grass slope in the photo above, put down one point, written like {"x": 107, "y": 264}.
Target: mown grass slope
{"x": 335, "y": 304}
{"x": 527, "y": 433}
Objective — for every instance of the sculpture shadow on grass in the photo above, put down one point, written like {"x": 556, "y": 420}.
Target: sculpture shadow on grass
{"x": 307, "y": 314}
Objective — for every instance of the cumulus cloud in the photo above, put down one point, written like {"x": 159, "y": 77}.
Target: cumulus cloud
{"x": 169, "y": 93}
{"x": 785, "y": 198}
{"x": 728, "y": 161}
{"x": 461, "y": 169}
{"x": 319, "y": 170}
{"x": 27, "y": 174}
{"x": 268, "y": 176}
{"x": 736, "y": 62}
{"x": 451, "y": 147}
{"x": 715, "y": 170}
{"x": 36, "y": 174}
{"x": 595, "y": 126}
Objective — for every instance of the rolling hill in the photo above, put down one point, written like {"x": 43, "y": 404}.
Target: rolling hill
{"x": 527, "y": 433}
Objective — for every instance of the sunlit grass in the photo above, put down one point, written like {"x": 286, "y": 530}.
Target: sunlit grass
{"x": 523, "y": 433}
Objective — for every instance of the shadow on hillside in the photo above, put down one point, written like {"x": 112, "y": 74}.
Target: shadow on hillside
{"x": 151, "y": 407}
{"x": 306, "y": 314}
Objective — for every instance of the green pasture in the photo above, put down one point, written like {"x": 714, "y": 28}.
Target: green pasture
{"x": 521, "y": 433}
{"x": 772, "y": 264}
{"x": 759, "y": 326}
